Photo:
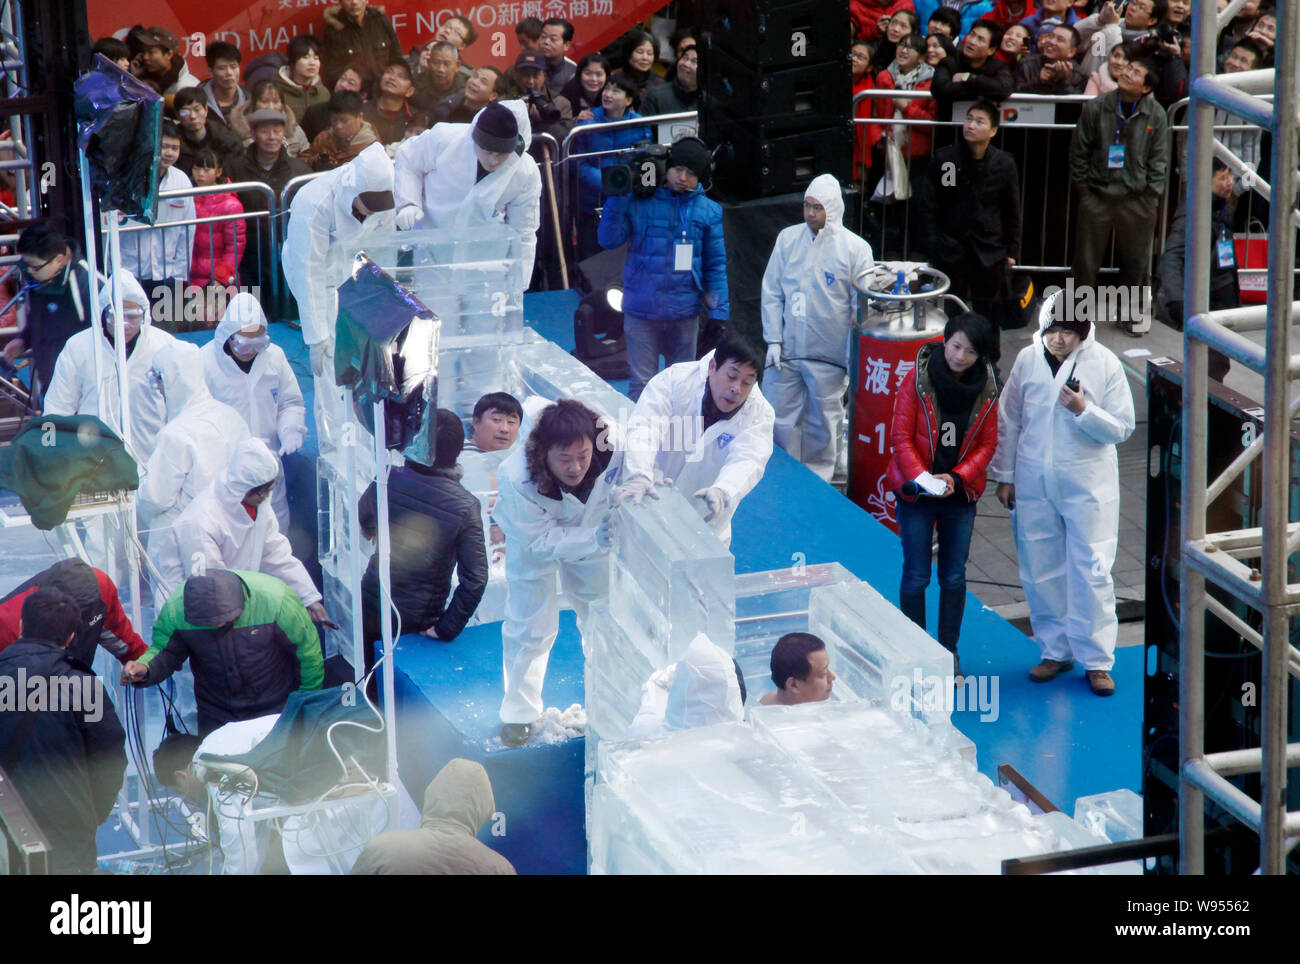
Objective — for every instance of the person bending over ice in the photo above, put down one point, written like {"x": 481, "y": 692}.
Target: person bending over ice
{"x": 801, "y": 670}
{"x": 554, "y": 507}
{"x": 705, "y": 427}
{"x": 1065, "y": 407}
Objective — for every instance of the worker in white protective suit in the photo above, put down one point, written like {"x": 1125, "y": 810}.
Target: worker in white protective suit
{"x": 72, "y": 389}
{"x": 700, "y": 689}
{"x": 463, "y": 175}
{"x": 554, "y": 508}
{"x": 229, "y": 526}
{"x": 809, "y": 304}
{"x": 243, "y": 369}
{"x": 705, "y": 427}
{"x": 194, "y": 446}
{"x": 1065, "y": 407}
{"x": 336, "y": 210}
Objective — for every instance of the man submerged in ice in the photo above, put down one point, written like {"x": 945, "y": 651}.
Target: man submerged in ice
{"x": 801, "y": 671}
{"x": 706, "y": 425}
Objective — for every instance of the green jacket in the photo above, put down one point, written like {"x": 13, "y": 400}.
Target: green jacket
{"x": 248, "y": 670}
{"x": 1145, "y": 136}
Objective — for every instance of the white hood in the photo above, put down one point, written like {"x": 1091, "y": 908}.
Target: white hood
{"x": 242, "y": 312}
{"x": 252, "y": 465}
{"x": 179, "y": 364}
{"x": 371, "y": 170}
{"x": 705, "y": 690}
{"x": 130, "y": 290}
{"x": 826, "y": 191}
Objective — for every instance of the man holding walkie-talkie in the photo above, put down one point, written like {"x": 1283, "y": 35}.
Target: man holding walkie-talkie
{"x": 1064, "y": 409}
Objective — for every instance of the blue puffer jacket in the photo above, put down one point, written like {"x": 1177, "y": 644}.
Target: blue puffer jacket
{"x": 654, "y": 226}
{"x": 589, "y": 143}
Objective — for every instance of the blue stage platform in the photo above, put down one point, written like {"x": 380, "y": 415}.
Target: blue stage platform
{"x": 1066, "y": 741}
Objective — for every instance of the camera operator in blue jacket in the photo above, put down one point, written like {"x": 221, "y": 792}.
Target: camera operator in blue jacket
{"x": 676, "y": 264}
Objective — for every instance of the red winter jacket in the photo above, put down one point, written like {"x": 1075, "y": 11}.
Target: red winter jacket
{"x": 217, "y": 247}
{"x": 865, "y": 13}
{"x": 1001, "y": 13}
{"x": 916, "y": 139}
{"x": 916, "y": 426}
{"x": 866, "y": 135}
{"x": 100, "y": 609}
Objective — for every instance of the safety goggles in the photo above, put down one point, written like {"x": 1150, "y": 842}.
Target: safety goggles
{"x": 129, "y": 316}
{"x": 247, "y": 343}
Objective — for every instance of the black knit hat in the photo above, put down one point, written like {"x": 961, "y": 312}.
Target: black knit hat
{"x": 691, "y": 154}
{"x": 496, "y": 130}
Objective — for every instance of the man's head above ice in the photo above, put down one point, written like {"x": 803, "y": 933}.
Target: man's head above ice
{"x": 563, "y": 447}
{"x": 497, "y": 416}
{"x": 733, "y": 372}
{"x": 801, "y": 670}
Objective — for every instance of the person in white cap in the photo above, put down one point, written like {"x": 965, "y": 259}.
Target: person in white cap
{"x": 809, "y": 298}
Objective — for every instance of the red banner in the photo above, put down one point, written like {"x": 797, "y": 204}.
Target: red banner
{"x": 262, "y": 26}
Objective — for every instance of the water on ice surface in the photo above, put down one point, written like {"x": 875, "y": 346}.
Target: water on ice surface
{"x": 1115, "y": 815}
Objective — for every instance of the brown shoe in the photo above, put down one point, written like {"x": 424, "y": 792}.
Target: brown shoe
{"x": 1049, "y": 669}
{"x": 1101, "y": 682}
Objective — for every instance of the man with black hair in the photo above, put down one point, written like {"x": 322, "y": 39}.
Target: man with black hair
{"x": 725, "y": 436}
{"x": 944, "y": 22}
{"x": 222, "y": 91}
{"x": 969, "y": 208}
{"x": 57, "y": 282}
{"x": 113, "y": 50}
{"x": 1119, "y": 161}
{"x": 199, "y": 130}
{"x": 974, "y": 73}
{"x": 548, "y": 111}
{"x": 529, "y": 33}
{"x": 155, "y": 256}
{"x": 676, "y": 267}
{"x": 156, "y": 57}
{"x": 437, "y": 75}
{"x": 390, "y": 112}
{"x": 801, "y": 671}
{"x": 65, "y": 753}
{"x": 554, "y": 508}
{"x": 357, "y": 33}
{"x": 497, "y": 416}
{"x": 486, "y": 85}
{"x": 435, "y": 527}
{"x": 554, "y": 43}
{"x": 1053, "y": 70}
{"x": 249, "y": 641}
{"x": 349, "y": 134}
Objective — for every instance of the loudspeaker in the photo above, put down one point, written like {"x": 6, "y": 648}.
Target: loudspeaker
{"x": 800, "y": 97}
{"x": 771, "y": 33}
{"x": 756, "y": 161}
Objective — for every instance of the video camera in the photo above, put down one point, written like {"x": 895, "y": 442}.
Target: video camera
{"x": 641, "y": 173}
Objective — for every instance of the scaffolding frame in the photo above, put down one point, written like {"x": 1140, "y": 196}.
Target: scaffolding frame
{"x": 1249, "y": 564}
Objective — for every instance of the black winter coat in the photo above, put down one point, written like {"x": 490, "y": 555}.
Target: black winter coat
{"x": 964, "y": 200}
{"x": 369, "y": 46}
{"x": 67, "y": 768}
{"x": 992, "y": 80}
{"x": 436, "y": 527}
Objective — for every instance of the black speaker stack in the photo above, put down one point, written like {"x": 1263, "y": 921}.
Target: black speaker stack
{"x": 777, "y": 94}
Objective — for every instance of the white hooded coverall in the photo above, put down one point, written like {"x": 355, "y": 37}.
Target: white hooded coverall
{"x": 1066, "y": 472}
{"x": 808, "y": 308}
{"x": 267, "y": 396}
{"x": 320, "y": 217}
{"x": 664, "y": 434}
{"x": 544, "y": 537}
{"x": 437, "y": 171}
{"x": 161, "y": 253}
{"x": 216, "y": 532}
{"x": 194, "y": 446}
{"x": 72, "y": 388}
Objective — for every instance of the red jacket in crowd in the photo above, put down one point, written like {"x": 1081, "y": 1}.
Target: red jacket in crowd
{"x": 867, "y": 135}
{"x": 217, "y": 247}
{"x": 915, "y": 428}
{"x": 865, "y": 13}
{"x": 1001, "y": 12}
{"x": 916, "y": 140}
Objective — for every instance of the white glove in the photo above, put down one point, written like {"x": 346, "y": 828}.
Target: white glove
{"x": 774, "y": 355}
{"x": 321, "y": 353}
{"x": 291, "y": 439}
{"x": 605, "y": 533}
{"x": 635, "y": 490}
{"x": 715, "y": 500}
{"x": 407, "y": 217}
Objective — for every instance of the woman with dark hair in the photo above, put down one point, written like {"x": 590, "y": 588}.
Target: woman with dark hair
{"x": 639, "y": 53}
{"x": 554, "y": 508}
{"x": 584, "y": 88}
{"x": 617, "y": 101}
{"x": 944, "y": 434}
{"x": 908, "y": 71}
{"x": 938, "y": 48}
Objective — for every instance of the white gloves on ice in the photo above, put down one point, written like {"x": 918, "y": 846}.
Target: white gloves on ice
{"x": 291, "y": 439}
{"x": 715, "y": 500}
{"x": 774, "y": 355}
{"x": 635, "y": 490}
{"x": 322, "y": 352}
{"x": 605, "y": 534}
{"x": 407, "y": 217}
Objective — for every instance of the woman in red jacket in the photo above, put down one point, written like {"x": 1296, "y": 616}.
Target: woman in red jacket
{"x": 908, "y": 71}
{"x": 866, "y": 135}
{"x": 217, "y": 246}
{"x": 944, "y": 434}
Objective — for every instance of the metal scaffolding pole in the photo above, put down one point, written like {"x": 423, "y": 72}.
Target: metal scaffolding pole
{"x": 1223, "y": 558}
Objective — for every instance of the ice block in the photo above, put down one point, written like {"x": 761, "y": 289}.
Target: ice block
{"x": 1115, "y": 815}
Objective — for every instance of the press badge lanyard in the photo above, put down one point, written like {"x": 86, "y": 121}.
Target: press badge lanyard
{"x": 683, "y": 250}
{"x": 1115, "y": 155}
{"x": 1223, "y": 247}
